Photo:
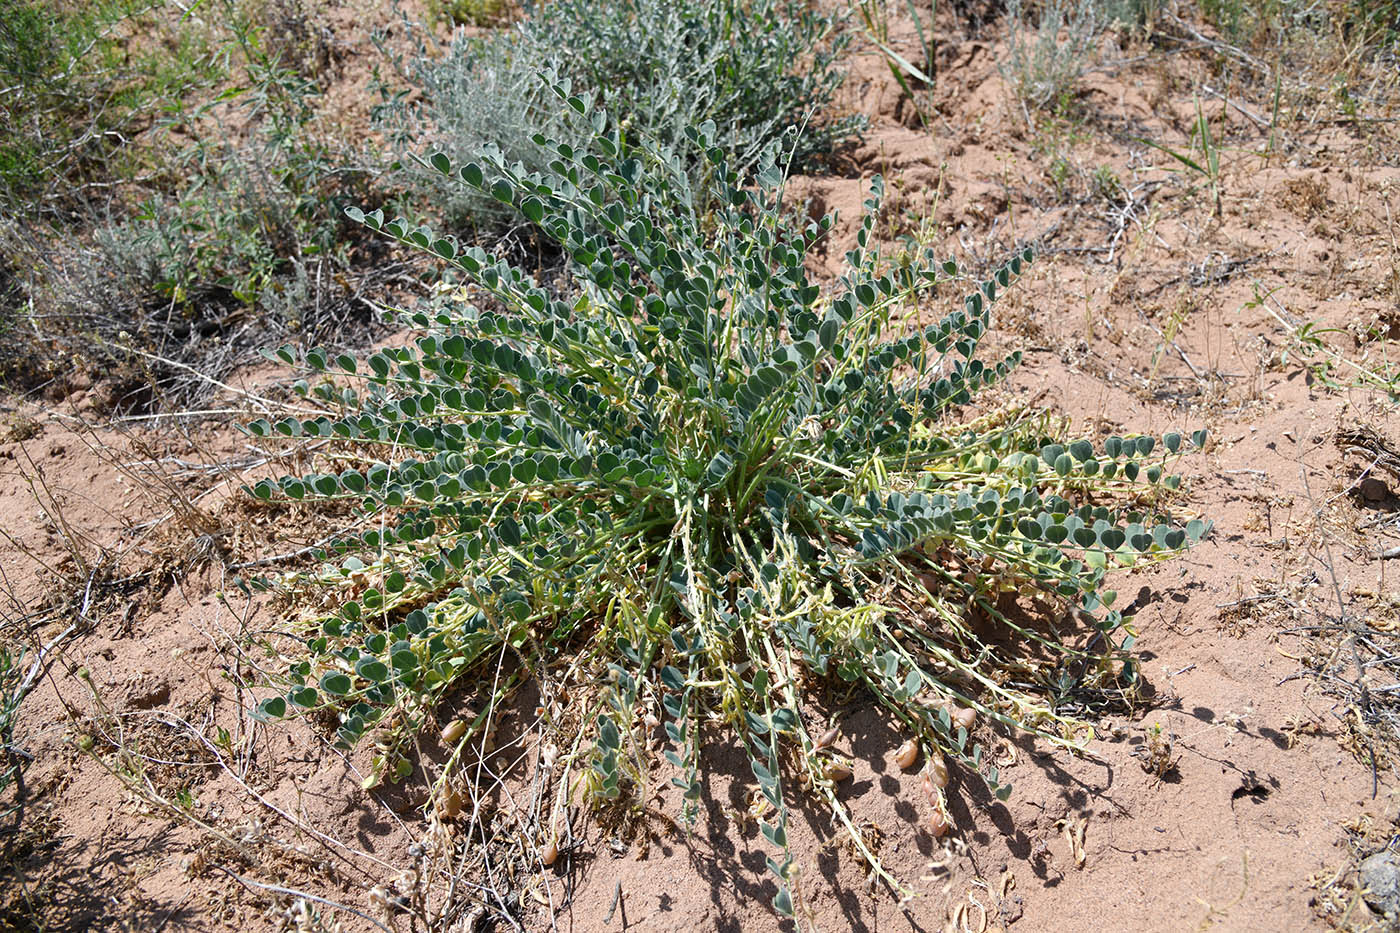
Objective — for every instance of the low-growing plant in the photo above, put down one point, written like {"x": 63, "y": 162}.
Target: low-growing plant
{"x": 875, "y": 15}
{"x": 73, "y": 91}
{"x": 1046, "y": 58}
{"x": 208, "y": 255}
{"x": 469, "y": 12}
{"x": 1374, "y": 367}
{"x": 754, "y": 68}
{"x": 248, "y": 211}
{"x": 1105, "y": 184}
{"x": 477, "y": 91}
{"x": 1207, "y": 166}
{"x": 712, "y": 486}
{"x": 12, "y": 689}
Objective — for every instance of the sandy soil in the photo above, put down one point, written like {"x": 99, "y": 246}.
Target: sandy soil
{"x": 1238, "y": 793}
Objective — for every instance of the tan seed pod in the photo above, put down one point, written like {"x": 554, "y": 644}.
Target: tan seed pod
{"x": 908, "y": 755}
{"x": 454, "y": 731}
{"x": 451, "y": 805}
{"x": 550, "y": 855}
{"x": 937, "y": 771}
{"x": 828, "y": 738}
{"x": 938, "y": 825}
{"x": 651, "y": 721}
{"x": 838, "y": 771}
{"x": 965, "y": 717}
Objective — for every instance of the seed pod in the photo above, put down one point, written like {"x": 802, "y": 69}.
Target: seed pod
{"x": 908, "y": 755}
{"x": 938, "y": 825}
{"x": 838, "y": 771}
{"x": 451, "y": 805}
{"x": 454, "y": 731}
{"x": 965, "y": 717}
{"x": 937, "y": 771}
{"x": 651, "y": 721}
{"x": 828, "y": 738}
{"x": 550, "y": 855}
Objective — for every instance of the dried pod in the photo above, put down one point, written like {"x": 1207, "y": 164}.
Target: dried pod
{"x": 908, "y": 755}
{"x": 454, "y": 731}
{"x": 451, "y": 805}
{"x": 965, "y": 717}
{"x": 651, "y": 721}
{"x": 838, "y": 771}
{"x": 938, "y": 825}
{"x": 937, "y": 771}
{"x": 550, "y": 855}
{"x": 828, "y": 738}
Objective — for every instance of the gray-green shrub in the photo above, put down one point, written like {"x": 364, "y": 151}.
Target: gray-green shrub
{"x": 755, "y": 69}
{"x": 1048, "y": 51}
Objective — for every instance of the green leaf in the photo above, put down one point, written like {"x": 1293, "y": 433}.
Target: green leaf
{"x": 903, "y": 63}
{"x": 1184, "y": 160}
{"x": 336, "y": 684}
{"x": 717, "y": 470}
{"x": 373, "y": 670}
